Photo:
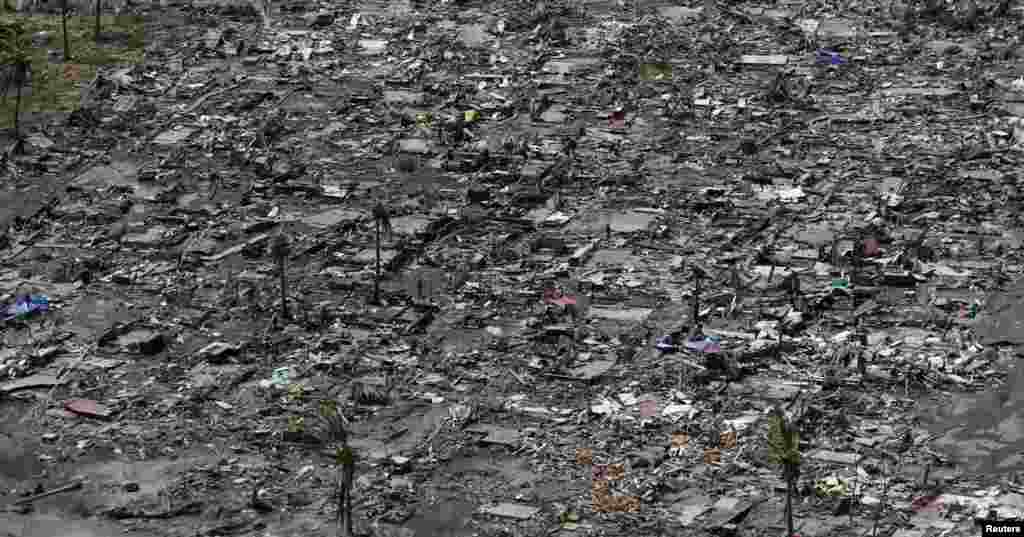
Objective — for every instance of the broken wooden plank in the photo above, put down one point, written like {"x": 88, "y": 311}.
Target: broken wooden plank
{"x": 835, "y": 457}
{"x": 237, "y": 248}
{"x": 511, "y": 510}
{"x": 583, "y": 253}
{"x": 34, "y": 381}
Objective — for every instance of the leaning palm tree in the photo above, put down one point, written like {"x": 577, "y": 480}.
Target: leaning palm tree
{"x": 382, "y": 224}
{"x": 15, "y": 52}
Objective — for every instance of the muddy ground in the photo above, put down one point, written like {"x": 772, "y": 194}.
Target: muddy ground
{"x": 887, "y": 184}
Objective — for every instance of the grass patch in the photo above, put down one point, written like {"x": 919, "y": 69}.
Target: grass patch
{"x": 56, "y": 87}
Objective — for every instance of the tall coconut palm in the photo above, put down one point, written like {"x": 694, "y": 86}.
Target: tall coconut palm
{"x": 382, "y": 224}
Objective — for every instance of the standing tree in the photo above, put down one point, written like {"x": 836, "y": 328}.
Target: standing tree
{"x": 15, "y": 52}
{"x": 784, "y": 450}
{"x": 98, "y": 4}
{"x": 335, "y": 433}
{"x": 64, "y": 29}
{"x": 346, "y": 459}
{"x": 698, "y": 276}
{"x": 279, "y": 250}
{"x": 382, "y": 223}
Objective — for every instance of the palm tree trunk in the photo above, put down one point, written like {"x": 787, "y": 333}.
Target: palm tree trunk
{"x": 341, "y": 501}
{"x": 696, "y": 301}
{"x": 345, "y": 521}
{"x": 376, "y": 280}
{"x": 19, "y": 80}
{"x": 789, "y": 504}
{"x": 64, "y": 29}
{"x": 284, "y": 292}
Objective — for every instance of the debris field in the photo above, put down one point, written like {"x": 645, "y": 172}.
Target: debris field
{"x": 540, "y": 267}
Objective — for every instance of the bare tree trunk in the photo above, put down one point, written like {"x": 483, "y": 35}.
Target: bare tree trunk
{"x": 376, "y": 280}
{"x": 19, "y": 80}
{"x": 696, "y": 302}
{"x": 97, "y": 20}
{"x": 64, "y": 29}
{"x": 284, "y": 290}
{"x": 347, "y": 474}
{"x": 342, "y": 493}
{"x": 789, "y": 505}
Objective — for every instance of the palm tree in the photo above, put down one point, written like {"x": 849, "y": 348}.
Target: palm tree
{"x": 334, "y": 433}
{"x": 382, "y": 223}
{"x": 15, "y": 50}
{"x": 784, "y": 450}
{"x": 345, "y": 459}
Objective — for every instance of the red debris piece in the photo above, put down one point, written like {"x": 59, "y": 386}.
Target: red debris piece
{"x": 88, "y": 408}
{"x": 872, "y": 248}
{"x": 648, "y": 408}
{"x": 927, "y": 503}
{"x": 617, "y": 120}
{"x": 555, "y": 297}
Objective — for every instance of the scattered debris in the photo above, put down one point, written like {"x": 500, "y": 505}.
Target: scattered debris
{"x": 390, "y": 256}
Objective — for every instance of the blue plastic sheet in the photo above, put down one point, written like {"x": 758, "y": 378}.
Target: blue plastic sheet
{"x": 26, "y": 306}
{"x": 830, "y": 57}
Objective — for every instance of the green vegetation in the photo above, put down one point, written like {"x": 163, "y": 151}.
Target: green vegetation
{"x": 784, "y": 450}
{"x": 15, "y": 55}
{"x": 56, "y": 87}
